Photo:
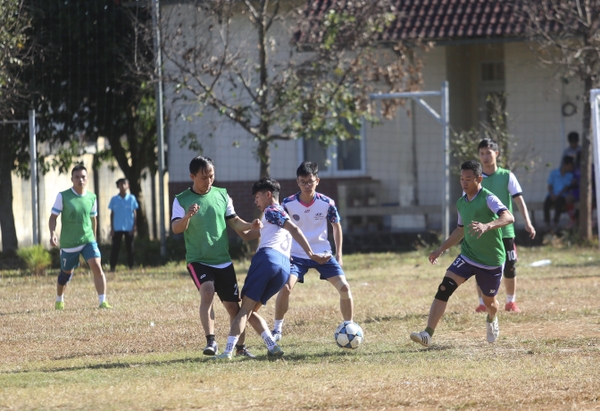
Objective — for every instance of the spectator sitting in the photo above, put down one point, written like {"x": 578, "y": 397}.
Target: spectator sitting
{"x": 560, "y": 182}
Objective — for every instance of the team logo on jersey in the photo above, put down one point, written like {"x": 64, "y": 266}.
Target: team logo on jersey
{"x": 307, "y": 211}
{"x": 319, "y": 216}
{"x": 296, "y": 217}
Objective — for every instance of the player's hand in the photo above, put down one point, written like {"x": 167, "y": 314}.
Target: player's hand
{"x": 339, "y": 259}
{"x": 192, "y": 210}
{"x": 529, "y": 228}
{"x": 257, "y": 224}
{"x": 477, "y": 228}
{"x": 434, "y": 256}
{"x": 321, "y": 258}
{"x": 53, "y": 240}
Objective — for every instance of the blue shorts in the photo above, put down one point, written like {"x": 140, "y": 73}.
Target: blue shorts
{"x": 330, "y": 269}
{"x": 70, "y": 261}
{"x": 488, "y": 280}
{"x": 268, "y": 273}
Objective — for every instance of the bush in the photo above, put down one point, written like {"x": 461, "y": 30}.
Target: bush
{"x": 36, "y": 258}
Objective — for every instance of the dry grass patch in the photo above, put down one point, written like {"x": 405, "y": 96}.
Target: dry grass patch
{"x": 146, "y": 352}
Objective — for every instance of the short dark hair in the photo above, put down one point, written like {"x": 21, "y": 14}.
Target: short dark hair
{"x": 308, "y": 168}
{"x": 474, "y": 166}
{"x": 121, "y": 180}
{"x": 267, "y": 184}
{"x": 573, "y": 137}
{"x": 78, "y": 166}
{"x": 568, "y": 160}
{"x": 488, "y": 143}
{"x": 200, "y": 163}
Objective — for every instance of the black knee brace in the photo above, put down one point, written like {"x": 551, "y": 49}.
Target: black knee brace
{"x": 446, "y": 288}
{"x": 64, "y": 278}
{"x": 509, "y": 269}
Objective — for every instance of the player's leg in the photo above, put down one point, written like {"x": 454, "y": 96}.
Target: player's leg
{"x": 114, "y": 249}
{"x": 282, "y": 303}
{"x": 238, "y": 327}
{"x": 510, "y": 275}
{"x": 458, "y": 272}
{"x": 68, "y": 263}
{"x": 333, "y": 273}
{"x": 91, "y": 254}
{"x": 481, "y": 307}
{"x": 129, "y": 247}
{"x": 203, "y": 278}
{"x": 489, "y": 282}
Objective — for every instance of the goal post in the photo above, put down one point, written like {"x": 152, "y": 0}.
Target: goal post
{"x": 595, "y": 105}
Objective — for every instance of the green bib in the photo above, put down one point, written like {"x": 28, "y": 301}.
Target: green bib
{"x": 206, "y": 238}
{"x": 75, "y": 218}
{"x": 487, "y": 249}
{"x": 497, "y": 183}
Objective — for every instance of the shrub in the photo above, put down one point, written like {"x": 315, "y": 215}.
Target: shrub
{"x": 36, "y": 258}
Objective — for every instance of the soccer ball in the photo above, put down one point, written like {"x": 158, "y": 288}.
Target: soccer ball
{"x": 349, "y": 335}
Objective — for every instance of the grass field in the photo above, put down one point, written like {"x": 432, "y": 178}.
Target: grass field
{"x": 145, "y": 354}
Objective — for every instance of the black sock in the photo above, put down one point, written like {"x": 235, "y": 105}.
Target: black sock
{"x": 240, "y": 347}
{"x": 210, "y": 338}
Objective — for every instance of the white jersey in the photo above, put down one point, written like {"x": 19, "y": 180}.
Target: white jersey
{"x": 272, "y": 233}
{"x": 312, "y": 219}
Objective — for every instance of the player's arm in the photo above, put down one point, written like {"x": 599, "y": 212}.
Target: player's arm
{"x": 134, "y": 221}
{"x": 94, "y": 225}
{"x": 180, "y": 224}
{"x": 299, "y": 237}
{"x": 505, "y": 218}
{"x": 453, "y": 239}
{"x": 520, "y": 202}
{"x": 338, "y": 239}
{"x": 52, "y": 227}
{"x": 247, "y": 231}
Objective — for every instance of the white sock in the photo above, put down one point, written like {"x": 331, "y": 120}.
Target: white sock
{"x": 511, "y": 298}
{"x": 60, "y": 298}
{"x": 481, "y": 301}
{"x": 268, "y": 339}
{"x": 277, "y": 325}
{"x": 101, "y": 298}
{"x": 231, "y": 342}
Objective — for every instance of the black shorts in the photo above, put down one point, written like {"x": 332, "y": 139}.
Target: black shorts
{"x": 224, "y": 279}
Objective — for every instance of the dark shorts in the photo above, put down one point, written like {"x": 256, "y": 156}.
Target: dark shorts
{"x": 488, "y": 280}
{"x": 268, "y": 273}
{"x": 224, "y": 279}
{"x": 301, "y": 265}
{"x": 70, "y": 261}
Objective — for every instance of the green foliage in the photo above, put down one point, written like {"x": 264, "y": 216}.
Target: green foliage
{"x": 36, "y": 258}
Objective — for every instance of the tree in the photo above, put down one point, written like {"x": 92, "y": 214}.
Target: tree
{"x": 15, "y": 56}
{"x": 235, "y": 58}
{"x": 566, "y": 34}
{"x": 87, "y": 85}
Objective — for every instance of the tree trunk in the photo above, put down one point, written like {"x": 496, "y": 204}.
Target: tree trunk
{"x": 7, "y": 217}
{"x": 142, "y": 219}
{"x": 264, "y": 155}
{"x": 585, "y": 189}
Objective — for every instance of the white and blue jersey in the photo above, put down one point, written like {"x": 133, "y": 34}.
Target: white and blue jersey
{"x": 272, "y": 233}
{"x": 312, "y": 219}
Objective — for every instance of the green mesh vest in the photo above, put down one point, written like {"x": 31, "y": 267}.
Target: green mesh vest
{"x": 75, "y": 219}
{"x": 487, "y": 249}
{"x": 497, "y": 183}
{"x": 206, "y": 238}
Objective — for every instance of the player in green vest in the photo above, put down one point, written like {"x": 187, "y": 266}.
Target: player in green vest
{"x": 78, "y": 210}
{"x": 506, "y": 187}
{"x": 480, "y": 216}
{"x": 202, "y": 213}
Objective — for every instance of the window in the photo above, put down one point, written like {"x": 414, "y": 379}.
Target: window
{"x": 344, "y": 158}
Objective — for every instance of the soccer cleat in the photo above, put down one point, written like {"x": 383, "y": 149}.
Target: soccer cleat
{"x": 512, "y": 307}
{"x": 211, "y": 348}
{"x": 481, "y": 308}
{"x": 276, "y": 335}
{"x": 422, "y": 338}
{"x": 223, "y": 356}
{"x": 59, "y": 305}
{"x": 244, "y": 353}
{"x": 493, "y": 330}
{"x": 105, "y": 305}
{"x": 275, "y": 353}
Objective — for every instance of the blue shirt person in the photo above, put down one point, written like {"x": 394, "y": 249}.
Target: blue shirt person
{"x": 123, "y": 213}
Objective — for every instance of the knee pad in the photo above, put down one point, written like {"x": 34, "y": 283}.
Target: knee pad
{"x": 343, "y": 288}
{"x": 446, "y": 288}
{"x": 64, "y": 278}
{"x": 509, "y": 269}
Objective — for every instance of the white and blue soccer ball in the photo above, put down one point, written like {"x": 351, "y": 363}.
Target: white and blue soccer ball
{"x": 349, "y": 335}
